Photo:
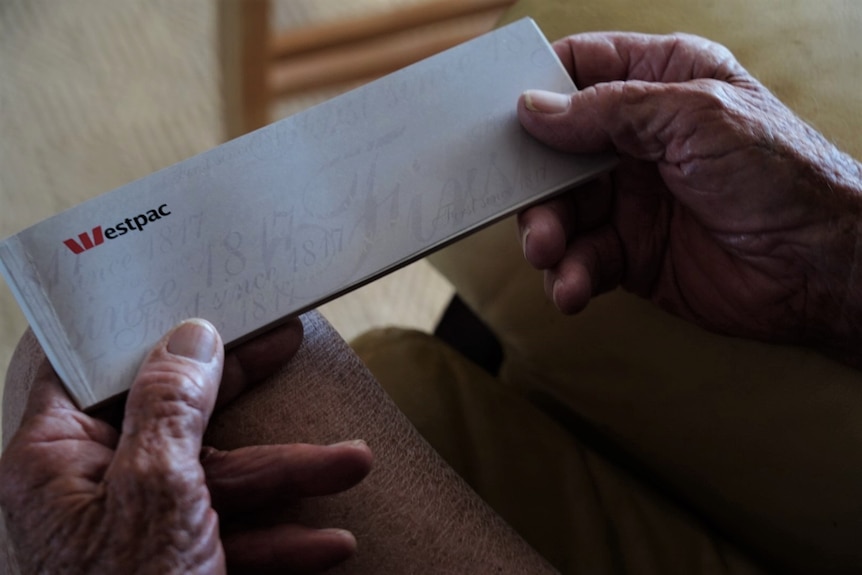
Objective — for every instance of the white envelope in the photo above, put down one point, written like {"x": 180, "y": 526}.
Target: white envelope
{"x": 285, "y": 218}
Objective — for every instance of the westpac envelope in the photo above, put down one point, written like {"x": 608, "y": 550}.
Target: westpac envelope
{"x": 280, "y": 220}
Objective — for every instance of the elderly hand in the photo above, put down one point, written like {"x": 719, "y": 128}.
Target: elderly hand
{"x": 79, "y": 496}
{"x": 726, "y": 209}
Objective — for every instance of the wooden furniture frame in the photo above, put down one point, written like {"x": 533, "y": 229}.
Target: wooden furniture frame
{"x": 260, "y": 65}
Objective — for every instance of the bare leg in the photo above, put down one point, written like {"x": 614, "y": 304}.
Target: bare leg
{"x": 412, "y": 514}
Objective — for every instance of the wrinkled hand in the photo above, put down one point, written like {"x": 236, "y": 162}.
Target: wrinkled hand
{"x": 726, "y": 209}
{"x": 80, "y": 497}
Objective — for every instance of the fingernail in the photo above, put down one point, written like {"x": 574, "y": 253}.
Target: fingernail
{"x": 351, "y": 443}
{"x": 342, "y": 533}
{"x": 525, "y": 233}
{"x": 546, "y": 102}
{"x": 555, "y": 292}
{"x": 195, "y": 339}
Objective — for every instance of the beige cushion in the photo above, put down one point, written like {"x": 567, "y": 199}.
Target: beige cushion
{"x": 765, "y": 439}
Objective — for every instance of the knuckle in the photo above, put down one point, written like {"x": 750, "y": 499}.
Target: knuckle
{"x": 180, "y": 386}
{"x": 711, "y": 96}
{"x": 155, "y": 482}
{"x": 168, "y": 405}
{"x": 162, "y": 457}
{"x": 630, "y": 93}
{"x": 708, "y": 59}
{"x": 705, "y": 47}
{"x": 725, "y": 103}
{"x": 697, "y": 43}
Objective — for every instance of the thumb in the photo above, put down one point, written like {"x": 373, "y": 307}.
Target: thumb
{"x": 632, "y": 117}
{"x": 171, "y": 400}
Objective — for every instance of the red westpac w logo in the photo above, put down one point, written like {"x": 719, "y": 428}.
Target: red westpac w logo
{"x": 97, "y": 237}
{"x": 87, "y": 242}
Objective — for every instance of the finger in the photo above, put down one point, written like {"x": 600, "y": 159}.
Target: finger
{"x": 599, "y": 57}
{"x": 250, "y": 478}
{"x": 545, "y": 229}
{"x": 257, "y": 359}
{"x": 593, "y": 264}
{"x": 668, "y": 123}
{"x": 169, "y": 404}
{"x": 287, "y": 548}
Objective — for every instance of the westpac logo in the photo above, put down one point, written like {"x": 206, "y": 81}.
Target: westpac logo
{"x": 96, "y": 237}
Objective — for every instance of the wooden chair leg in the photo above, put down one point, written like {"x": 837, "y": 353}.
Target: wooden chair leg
{"x": 244, "y": 33}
